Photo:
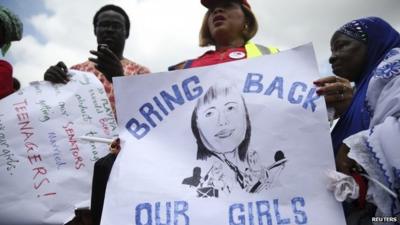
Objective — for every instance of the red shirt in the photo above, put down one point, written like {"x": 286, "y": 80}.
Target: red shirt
{"x": 6, "y": 80}
{"x": 130, "y": 68}
{"x": 216, "y": 57}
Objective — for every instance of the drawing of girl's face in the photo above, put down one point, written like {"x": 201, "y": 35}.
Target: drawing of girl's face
{"x": 222, "y": 122}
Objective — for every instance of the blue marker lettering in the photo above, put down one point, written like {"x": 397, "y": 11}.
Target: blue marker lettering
{"x": 300, "y": 217}
{"x": 277, "y": 84}
{"x": 168, "y": 214}
{"x": 251, "y": 216}
{"x": 279, "y": 220}
{"x": 147, "y": 110}
{"x": 253, "y": 80}
{"x": 196, "y": 92}
{"x": 180, "y": 209}
{"x": 168, "y": 99}
{"x": 146, "y": 207}
{"x": 311, "y": 97}
{"x": 241, "y": 217}
{"x": 138, "y": 130}
{"x": 161, "y": 106}
{"x": 263, "y": 212}
{"x": 292, "y": 91}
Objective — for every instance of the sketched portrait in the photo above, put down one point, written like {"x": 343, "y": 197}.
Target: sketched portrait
{"x": 221, "y": 124}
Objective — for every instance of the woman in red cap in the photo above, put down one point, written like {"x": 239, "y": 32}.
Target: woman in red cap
{"x": 228, "y": 25}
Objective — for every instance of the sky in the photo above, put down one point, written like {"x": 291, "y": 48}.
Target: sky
{"x": 165, "y": 32}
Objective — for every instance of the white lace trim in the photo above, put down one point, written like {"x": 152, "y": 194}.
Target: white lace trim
{"x": 360, "y": 153}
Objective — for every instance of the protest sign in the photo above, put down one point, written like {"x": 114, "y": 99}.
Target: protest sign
{"x": 244, "y": 142}
{"x": 45, "y": 170}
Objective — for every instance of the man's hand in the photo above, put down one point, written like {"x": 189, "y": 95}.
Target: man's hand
{"x": 57, "y": 74}
{"x": 107, "y": 62}
{"x": 337, "y": 91}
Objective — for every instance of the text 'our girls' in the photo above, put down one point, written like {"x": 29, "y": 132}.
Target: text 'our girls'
{"x": 251, "y": 213}
{"x": 155, "y": 111}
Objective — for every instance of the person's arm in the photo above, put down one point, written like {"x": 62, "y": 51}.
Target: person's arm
{"x": 101, "y": 173}
{"x": 343, "y": 163}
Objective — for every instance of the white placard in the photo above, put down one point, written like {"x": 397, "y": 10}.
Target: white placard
{"x": 244, "y": 142}
{"x": 45, "y": 169}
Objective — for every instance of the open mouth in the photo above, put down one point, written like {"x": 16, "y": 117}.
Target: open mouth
{"x": 224, "y": 133}
{"x": 218, "y": 19}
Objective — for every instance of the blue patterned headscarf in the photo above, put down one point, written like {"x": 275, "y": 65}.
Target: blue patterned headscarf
{"x": 380, "y": 38}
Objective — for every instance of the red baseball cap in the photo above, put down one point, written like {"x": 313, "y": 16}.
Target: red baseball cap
{"x": 209, "y": 3}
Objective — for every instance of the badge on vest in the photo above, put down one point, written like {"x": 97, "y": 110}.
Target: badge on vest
{"x": 236, "y": 55}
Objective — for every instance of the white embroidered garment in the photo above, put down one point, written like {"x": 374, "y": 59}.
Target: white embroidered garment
{"x": 377, "y": 150}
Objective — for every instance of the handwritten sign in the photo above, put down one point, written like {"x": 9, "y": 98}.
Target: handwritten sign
{"x": 44, "y": 168}
{"x": 245, "y": 142}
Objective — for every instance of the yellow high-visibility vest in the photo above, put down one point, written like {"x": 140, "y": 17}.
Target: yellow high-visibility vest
{"x": 252, "y": 50}
{"x": 255, "y": 50}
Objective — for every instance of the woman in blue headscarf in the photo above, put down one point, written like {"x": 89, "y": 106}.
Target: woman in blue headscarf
{"x": 357, "y": 49}
{"x": 379, "y": 38}
{"x": 367, "y": 135}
